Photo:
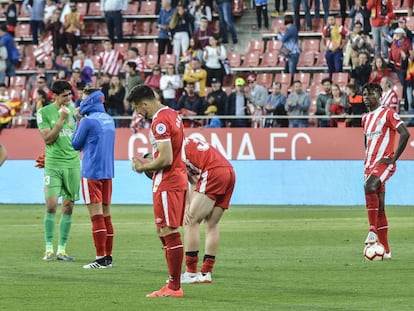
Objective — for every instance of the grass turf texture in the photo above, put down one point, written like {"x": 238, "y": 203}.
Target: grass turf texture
{"x": 270, "y": 258}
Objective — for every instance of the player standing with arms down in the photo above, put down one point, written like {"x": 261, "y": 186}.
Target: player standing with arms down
{"x": 95, "y": 136}
{"x": 213, "y": 179}
{"x": 62, "y": 167}
{"x": 169, "y": 180}
{"x": 380, "y": 127}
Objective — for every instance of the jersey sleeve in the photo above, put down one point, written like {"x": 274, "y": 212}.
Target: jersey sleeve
{"x": 42, "y": 120}
{"x": 394, "y": 119}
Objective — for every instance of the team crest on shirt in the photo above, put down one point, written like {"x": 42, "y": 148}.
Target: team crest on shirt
{"x": 396, "y": 116}
{"x": 160, "y": 128}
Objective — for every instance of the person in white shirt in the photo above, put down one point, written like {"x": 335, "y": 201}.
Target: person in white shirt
{"x": 170, "y": 82}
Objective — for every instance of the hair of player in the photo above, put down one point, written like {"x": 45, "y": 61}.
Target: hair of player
{"x": 373, "y": 88}
{"x": 59, "y": 86}
{"x": 139, "y": 93}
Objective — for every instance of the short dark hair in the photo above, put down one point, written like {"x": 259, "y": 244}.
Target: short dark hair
{"x": 131, "y": 64}
{"x": 372, "y": 87}
{"x": 326, "y": 80}
{"x": 59, "y": 86}
{"x": 352, "y": 86}
{"x": 139, "y": 93}
{"x": 288, "y": 19}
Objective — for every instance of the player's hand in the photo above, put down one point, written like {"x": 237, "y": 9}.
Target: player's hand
{"x": 137, "y": 165}
{"x": 64, "y": 112}
{"x": 77, "y": 114}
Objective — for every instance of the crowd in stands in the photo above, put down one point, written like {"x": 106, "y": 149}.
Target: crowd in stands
{"x": 356, "y": 42}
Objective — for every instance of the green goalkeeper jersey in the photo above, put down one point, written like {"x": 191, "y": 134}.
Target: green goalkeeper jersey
{"x": 60, "y": 154}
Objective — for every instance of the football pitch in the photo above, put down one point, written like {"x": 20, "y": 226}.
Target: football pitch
{"x": 270, "y": 258}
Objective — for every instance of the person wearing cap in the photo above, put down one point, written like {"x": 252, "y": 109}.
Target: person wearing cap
{"x": 197, "y": 75}
{"x": 257, "y": 93}
{"x": 399, "y": 51}
{"x": 219, "y": 96}
{"x": 382, "y": 12}
{"x": 211, "y": 111}
{"x": 94, "y": 135}
{"x": 402, "y": 23}
{"x": 237, "y": 105}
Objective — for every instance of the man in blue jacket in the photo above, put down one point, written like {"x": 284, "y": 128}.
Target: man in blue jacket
{"x": 95, "y": 136}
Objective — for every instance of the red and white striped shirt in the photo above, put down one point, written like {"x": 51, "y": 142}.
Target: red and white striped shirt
{"x": 390, "y": 99}
{"x": 110, "y": 62}
{"x": 380, "y": 128}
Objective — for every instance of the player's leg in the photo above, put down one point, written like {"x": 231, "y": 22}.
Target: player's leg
{"x": 106, "y": 205}
{"x": 70, "y": 193}
{"x": 382, "y": 225}
{"x": 52, "y": 188}
{"x": 200, "y": 207}
{"x": 372, "y": 184}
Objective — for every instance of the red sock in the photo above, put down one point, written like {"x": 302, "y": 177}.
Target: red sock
{"x": 191, "y": 261}
{"x": 208, "y": 264}
{"x": 99, "y": 234}
{"x": 383, "y": 230}
{"x": 175, "y": 253}
{"x": 109, "y": 235}
{"x": 372, "y": 204}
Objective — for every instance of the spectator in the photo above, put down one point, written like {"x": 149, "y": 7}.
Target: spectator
{"x": 66, "y": 66}
{"x": 325, "y": 4}
{"x": 389, "y": 97}
{"x": 40, "y": 72}
{"x": 381, "y": 15}
{"x": 197, "y": 75}
{"x": 72, "y": 29}
{"x": 336, "y": 105}
{"x": 85, "y": 65}
{"x": 134, "y": 56}
{"x": 42, "y": 100}
{"x": 203, "y": 34}
{"x": 3, "y": 63}
{"x": 402, "y": 23}
{"x": 169, "y": 84}
{"x": 297, "y": 105}
{"x": 399, "y": 51}
{"x": 180, "y": 27}
{"x": 360, "y": 13}
{"x": 290, "y": 41}
{"x": 75, "y": 80}
{"x": 11, "y": 17}
{"x": 114, "y": 100}
{"x": 35, "y": 9}
{"x": 54, "y": 26}
{"x": 50, "y": 9}
{"x": 334, "y": 41}
{"x": 110, "y": 60}
{"x": 194, "y": 51}
{"x": 261, "y": 9}
{"x": 362, "y": 71}
{"x": 112, "y": 11}
{"x": 343, "y": 8}
{"x": 322, "y": 100}
{"x": 60, "y": 75}
{"x": 13, "y": 56}
{"x": 219, "y": 97}
{"x": 276, "y": 13}
{"x": 379, "y": 70}
{"x": 191, "y": 104}
{"x": 305, "y": 5}
{"x": 153, "y": 80}
{"x": 226, "y": 20}
{"x": 356, "y": 105}
{"x": 257, "y": 93}
{"x": 211, "y": 111}
{"x": 41, "y": 84}
{"x": 64, "y": 7}
{"x": 214, "y": 54}
{"x": 360, "y": 42}
{"x": 199, "y": 9}
{"x": 134, "y": 78}
{"x": 275, "y": 106}
{"x": 237, "y": 105}
{"x": 163, "y": 22}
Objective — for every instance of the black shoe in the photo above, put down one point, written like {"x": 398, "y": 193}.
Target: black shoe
{"x": 108, "y": 259}
{"x": 97, "y": 264}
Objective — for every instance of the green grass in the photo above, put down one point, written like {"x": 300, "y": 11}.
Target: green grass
{"x": 270, "y": 258}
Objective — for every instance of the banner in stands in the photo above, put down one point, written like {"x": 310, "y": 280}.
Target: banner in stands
{"x": 234, "y": 143}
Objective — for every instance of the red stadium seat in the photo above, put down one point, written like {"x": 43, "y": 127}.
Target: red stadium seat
{"x": 143, "y": 28}
{"x": 318, "y": 77}
{"x": 28, "y": 63}
{"x": 152, "y": 48}
{"x": 315, "y": 90}
{"x": 306, "y": 59}
{"x": 321, "y": 60}
{"x": 256, "y": 46}
{"x": 251, "y": 59}
{"x": 311, "y": 45}
{"x": 151, "y": 60}
{"x": 91, "y": 29}
{"x": 121, "y": 47}
{"x": 21, "y": 121}
{"x": 303, "y": 77}
{"x": 132, "y": 8}
{"x": 18, "y": 81}
{"x": 273, "y": 46}
{"x": 148, "y": 8}
{"x": 94, "y": 9}
{"x": 82, "y": 8}
{"x": 22, "y": 31}
{"x": 270, "y": 59}
{"x": 128, "y": 28}
{"x": 141, "y": 46}
{"x": 340, "y": 78}
{"x": 167, "y": 59}
{"x": 265, "y": 79}
{"x": 234, "y": 59}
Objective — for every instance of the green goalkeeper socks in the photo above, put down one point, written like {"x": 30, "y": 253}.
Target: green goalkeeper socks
{"x": 49, "y": 224}
{"x": 64, "y": 229}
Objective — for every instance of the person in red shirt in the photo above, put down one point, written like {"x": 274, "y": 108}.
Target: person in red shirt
{"x": 380, "y": 125}
{"x": 389, "y": 97}
{"x": 212, "y": 180}
{"x": 169, "y": 180}
{"x": 399, "y": 51}
{"x": 379, "y": 70}
{"x": 382, "y": 12}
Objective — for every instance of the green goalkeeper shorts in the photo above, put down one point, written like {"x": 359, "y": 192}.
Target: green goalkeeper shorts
{"x": 64, "y": 182}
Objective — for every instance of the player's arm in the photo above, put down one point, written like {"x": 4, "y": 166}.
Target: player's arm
{"x": 164, "y": 159}
{"x": 50, "y": 135}
{"x": 79, "y": 135}
{"x": 402, "y": 143}
{"x": 3, "y": 154}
